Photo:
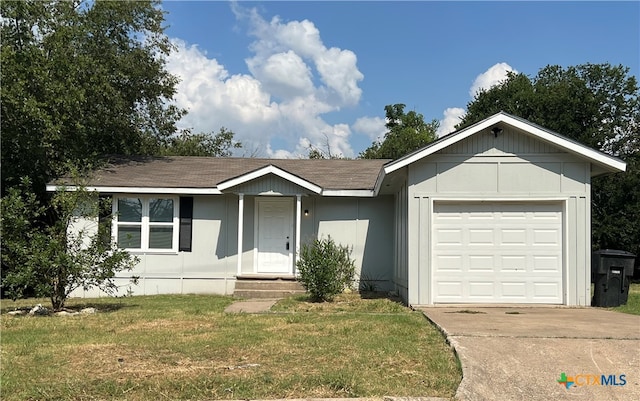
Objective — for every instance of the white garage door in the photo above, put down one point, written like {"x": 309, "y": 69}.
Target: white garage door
{"x": 498, "y": 252}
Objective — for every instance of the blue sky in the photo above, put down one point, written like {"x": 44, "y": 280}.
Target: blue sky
{"x": 283, "y": 75}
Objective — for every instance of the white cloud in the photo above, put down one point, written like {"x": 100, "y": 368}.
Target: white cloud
{"x": 336, "y": 68}
{"x": 283, "y": 74}
{"x": 294, "y": 80}
{"x": 493, "y": 76}
{"x": 373, "y": 127}
{"x": 452, "y": 117}
{"x": 212, "y": 97}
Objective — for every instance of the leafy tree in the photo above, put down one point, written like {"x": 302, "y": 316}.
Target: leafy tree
{"x": 406, "y": 132}
{"x": 597, "y": 105}
{"x": 81, "y": 80}
{"x": 53, "y": 260}
{"x": 188, "y": 144}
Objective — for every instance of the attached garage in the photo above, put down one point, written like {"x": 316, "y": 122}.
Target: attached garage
{"x": 499, "y": 212}
{"x": 498, "y": 252}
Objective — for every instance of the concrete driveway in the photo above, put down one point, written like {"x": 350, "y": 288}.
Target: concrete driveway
{"x": 519, "y": 353}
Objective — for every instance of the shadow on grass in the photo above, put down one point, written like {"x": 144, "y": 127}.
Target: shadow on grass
{"x": 102, "y": 307}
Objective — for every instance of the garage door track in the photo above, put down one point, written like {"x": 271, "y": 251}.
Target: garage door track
{"x": 535, "y": 353}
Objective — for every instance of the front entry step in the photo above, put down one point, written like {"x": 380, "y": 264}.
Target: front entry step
{"x": 274, "y": 288}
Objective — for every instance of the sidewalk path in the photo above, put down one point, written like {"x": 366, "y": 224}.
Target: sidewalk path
{"x": 251, "y": 306}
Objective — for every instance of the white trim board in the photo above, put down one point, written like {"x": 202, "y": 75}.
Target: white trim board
{"x": 594, "y": 156}
{"x": 138, "y": 190}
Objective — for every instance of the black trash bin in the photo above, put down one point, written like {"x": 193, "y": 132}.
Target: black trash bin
{"x": 611, "y": 271}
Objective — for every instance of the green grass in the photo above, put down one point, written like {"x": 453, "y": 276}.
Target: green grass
{"x": 185, "y": 347}
{"x": 633, "y": 303}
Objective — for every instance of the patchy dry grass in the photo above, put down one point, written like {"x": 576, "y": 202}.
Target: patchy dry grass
{"x": 185, "y": 347}
{"x": 354, "y": 302}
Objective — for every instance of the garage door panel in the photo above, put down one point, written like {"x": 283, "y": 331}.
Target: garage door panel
{"x": 497, "y": 253}
{"x": 448, "y": 236}
{"x": 481, "y": 263}
{"x": 547, "y": 263}
{"x": 513, "y": 263}
{"x": 450, "y": 289}
{"x": 481, "y": 237}
{"x": 546, "y": 291}
{"x": 542, "y": 237}
{"x": 511, "y": 237}
{"x": 479, "y": 216}
{"x": 514, "y": 290}
{"x": 481, "y": 289}
{"x": 450, "y": 263}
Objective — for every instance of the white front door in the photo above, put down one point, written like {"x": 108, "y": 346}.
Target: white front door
{"x": 274, "y": 237}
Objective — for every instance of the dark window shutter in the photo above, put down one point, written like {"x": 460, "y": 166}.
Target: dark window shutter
{"x": 186, "y": 219}
{"x": 104, "y": 218}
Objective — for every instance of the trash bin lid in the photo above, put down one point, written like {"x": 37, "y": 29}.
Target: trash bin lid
{"x": 614, "y": 252}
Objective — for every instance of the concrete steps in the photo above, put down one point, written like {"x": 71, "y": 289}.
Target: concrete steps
{"x": 267, "y": 288}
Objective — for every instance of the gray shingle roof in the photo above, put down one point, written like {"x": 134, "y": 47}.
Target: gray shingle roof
{"x": 208, "y": 172}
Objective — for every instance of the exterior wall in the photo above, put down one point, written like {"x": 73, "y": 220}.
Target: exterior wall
{"x": 362, "y": 223}
{"x": 510, "y": 167}
{"x": 211, "y": 266}
{"x": 401, "y": 249}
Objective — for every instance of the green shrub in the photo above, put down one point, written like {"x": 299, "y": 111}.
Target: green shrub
{"x": 325, "y": 268}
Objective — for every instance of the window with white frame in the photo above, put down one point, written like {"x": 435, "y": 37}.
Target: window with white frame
{"x": 146, "y": 223}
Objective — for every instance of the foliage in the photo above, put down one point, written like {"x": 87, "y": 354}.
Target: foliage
{"x": 81, "y": 80}
{"x": 203, "y": 144}
{"x": 326, "y": 268}
{"x": 53, "y": 260}
{"x": 406, "y": 133}
{"x": 597, "y": 105}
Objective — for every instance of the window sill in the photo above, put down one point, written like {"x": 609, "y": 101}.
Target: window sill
{"x": 153, "y": 252}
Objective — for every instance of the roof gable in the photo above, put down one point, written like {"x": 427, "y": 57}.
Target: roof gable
{"x": 605, "y": 162}
{"x": 267, "y": 170}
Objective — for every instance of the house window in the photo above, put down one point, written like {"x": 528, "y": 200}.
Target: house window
{"x": 146, "y": 223}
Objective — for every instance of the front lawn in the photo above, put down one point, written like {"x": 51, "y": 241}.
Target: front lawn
{"x": 185, "y": 347}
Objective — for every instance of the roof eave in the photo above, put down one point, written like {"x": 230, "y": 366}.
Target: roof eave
{"x": 136, "y": 190}
{"x": 608, "y": 162}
